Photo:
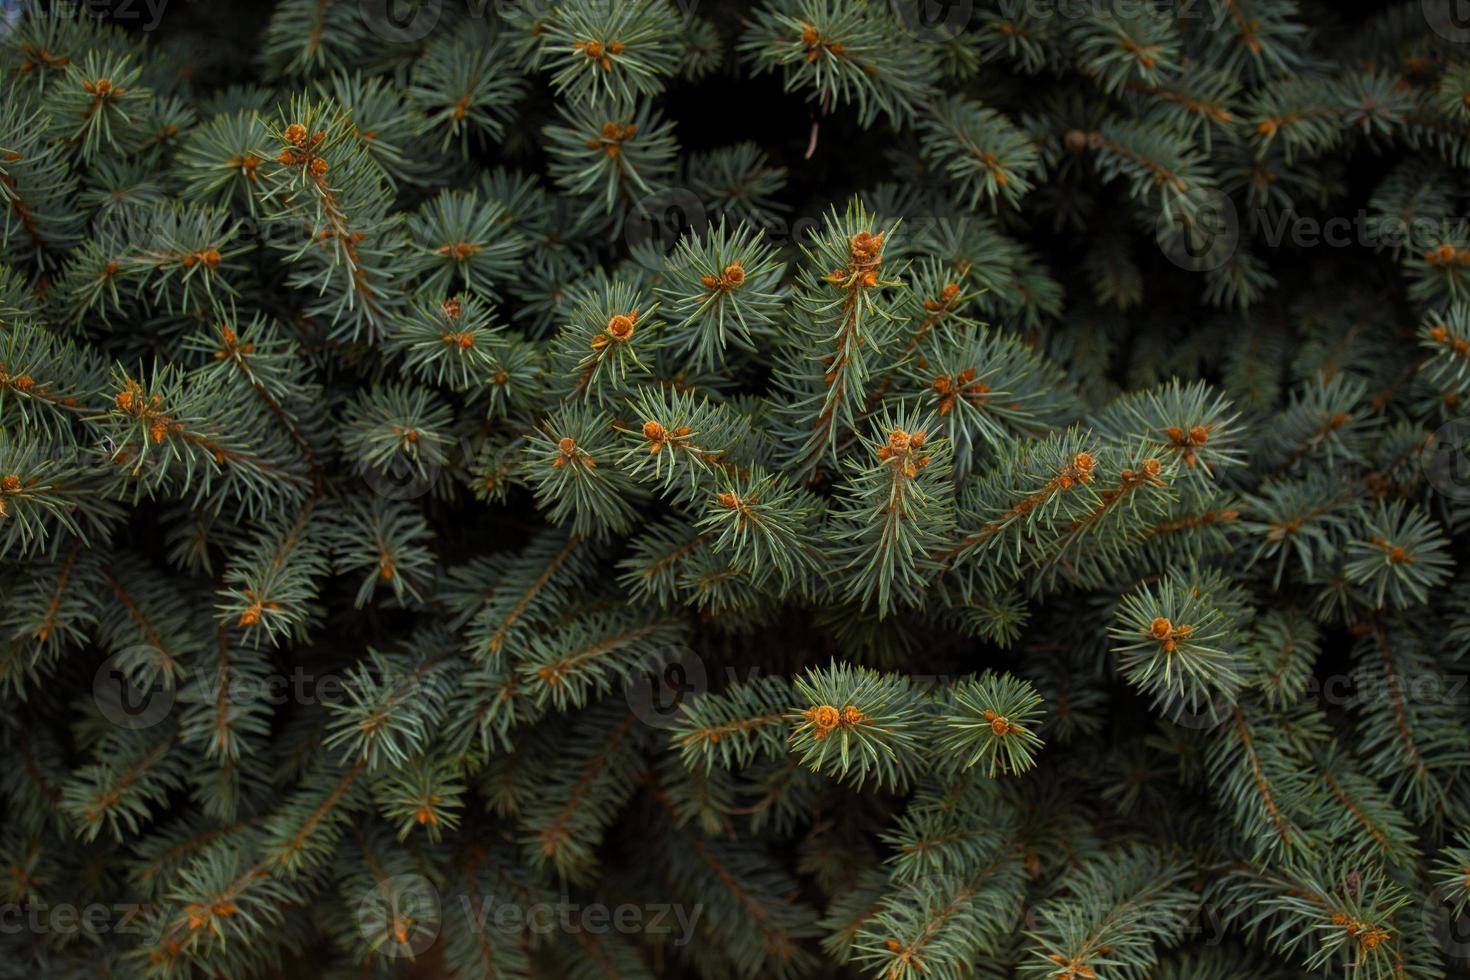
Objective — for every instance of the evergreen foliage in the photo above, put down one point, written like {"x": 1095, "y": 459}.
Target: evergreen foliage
{"x": 632, "y": 488}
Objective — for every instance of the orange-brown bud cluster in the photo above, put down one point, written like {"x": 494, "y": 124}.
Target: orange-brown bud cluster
{"x": 1166, "y": 634}
{"x": 619, "y": 330}
{"x": 614, "y": 135}
{"x": 1457, "y": 345}
{"x": 41, "y": 58}
{"x": 231, "y": 342}
{"x": 1447, "y": 254}
{"x": 1000, "y": 725}
{"x": 962, "y": 385}
{"x": 257, "y": 608}
{"x": 811, "y": 38}
{"x": 826, "y": 719}
{"x": 1079, "y": 471}
{"x": 568, "y": 452}
{"x": 1368, "y": 937}
{"x": 145, "y": 409}
{"x": 1188, "y": 441}
{"x": 946, "y": 296}
{"x": 207, "y": 257}
{"x": 731, "y": 278}
{"x": 300, "y": 152}
{"x": 598, "y": 52}
{"x": 1148, "y": 472}
{"x": 199, "y": 915}
{"x": 247, "y": 165}
{"x": 1075, "y": 968}
{"x": 9, "y": 484}
{"x": 740, "y": 505}
{"x": 102, "y": 88}
{"x": 1397, "y": 554}
{"x": 460, "y": 251}
{"x": 659, "y": 436}
{"x": 865, "y": 251}
{"x": 901, "y": 451}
